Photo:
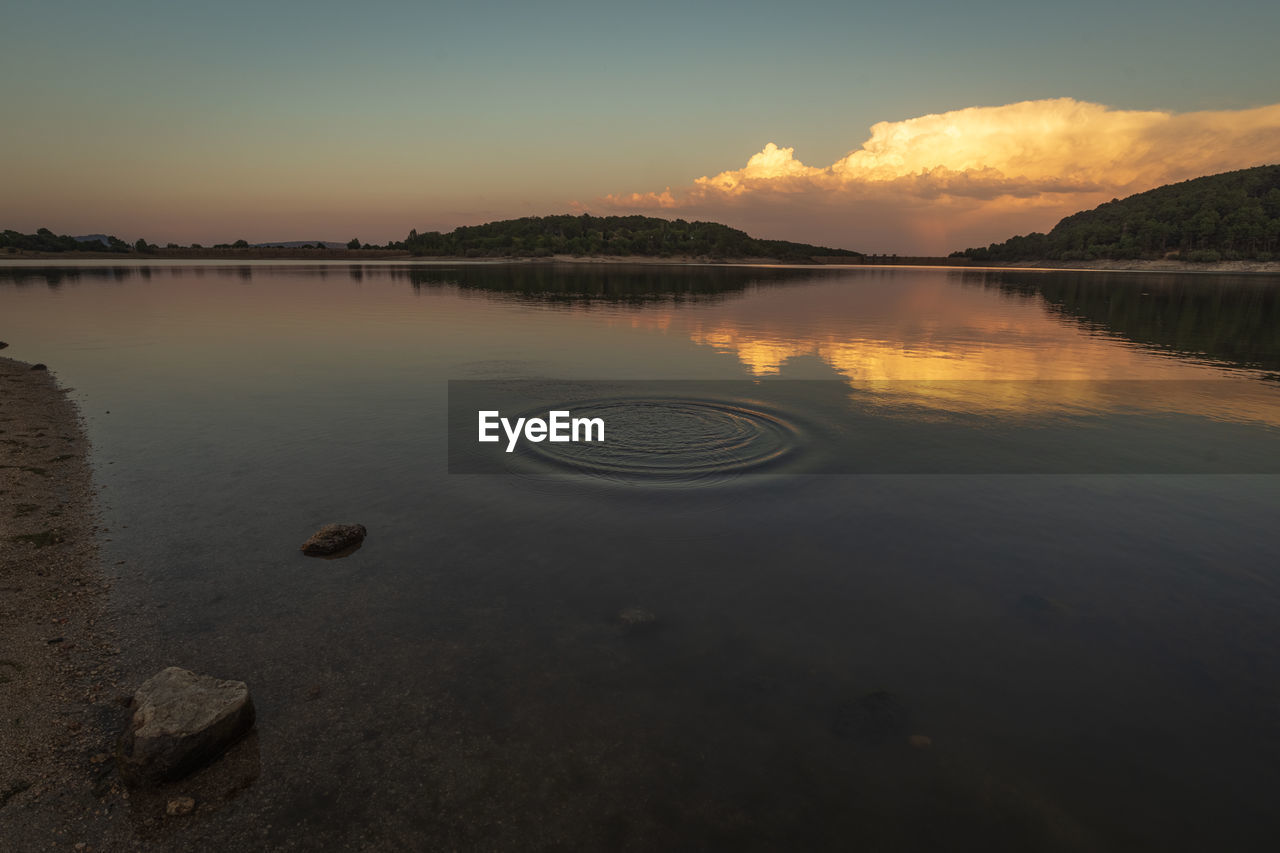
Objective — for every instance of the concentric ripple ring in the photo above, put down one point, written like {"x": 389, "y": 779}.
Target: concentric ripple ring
{"x": 672, "y": 439}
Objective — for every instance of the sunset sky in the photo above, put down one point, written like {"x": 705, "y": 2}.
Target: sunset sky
{"x": 908, "y": 127}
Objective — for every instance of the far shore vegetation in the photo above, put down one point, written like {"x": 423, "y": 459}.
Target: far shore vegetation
{"x": 1232, "y": 216}
{"x": 648, "y": 236}
{"x": 528, "y": 237}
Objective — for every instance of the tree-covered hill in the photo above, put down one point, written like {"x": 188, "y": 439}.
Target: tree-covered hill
{"x": 530, "y": 237}
{"x": 543, "y": 236}
{"x": 1231, "y": 216}
{"x": 45, "y": 240}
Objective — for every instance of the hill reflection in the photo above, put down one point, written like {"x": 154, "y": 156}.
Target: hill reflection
{"x": 1229, "y": 319}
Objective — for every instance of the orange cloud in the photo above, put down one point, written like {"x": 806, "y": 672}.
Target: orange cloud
{"x": 924, "y": 183}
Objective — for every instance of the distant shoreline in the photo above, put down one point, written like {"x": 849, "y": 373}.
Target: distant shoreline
{"x": 348, "y": 256}
{"x": 1142, "y": 266}
{"x": 402, "y": 256}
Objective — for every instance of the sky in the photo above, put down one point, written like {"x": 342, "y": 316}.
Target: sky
{"x": 908, "y": 128}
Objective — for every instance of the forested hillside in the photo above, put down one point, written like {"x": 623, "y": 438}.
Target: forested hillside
{"x": 1231, "y": 216}
{"x": 542, "y": 236}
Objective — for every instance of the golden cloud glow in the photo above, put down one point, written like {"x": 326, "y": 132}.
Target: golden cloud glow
{"x": 996, "y": 166}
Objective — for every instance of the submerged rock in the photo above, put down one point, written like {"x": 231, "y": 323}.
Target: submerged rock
{"x": 333, "y": 539}
{"x": 179, "y": 721}
{"x": 38, "y": 366}
{"x": 636, "y": 617}
{"x": 1032, "y": 603}
{"x": 877, "y": 717}
{"x": 1037, "y": 608}
{"x": 3, "y": 345}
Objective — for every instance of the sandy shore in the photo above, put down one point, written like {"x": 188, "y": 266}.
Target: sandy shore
{"x": 59, "y": 689}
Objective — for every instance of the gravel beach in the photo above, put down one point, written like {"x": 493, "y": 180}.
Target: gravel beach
{"x": 59, "y": 691}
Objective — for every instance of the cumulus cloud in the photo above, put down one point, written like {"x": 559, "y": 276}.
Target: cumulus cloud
{"x": 977, "y": 174}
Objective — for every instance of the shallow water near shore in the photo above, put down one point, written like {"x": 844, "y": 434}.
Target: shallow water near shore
{"x": 1090, "y": 653}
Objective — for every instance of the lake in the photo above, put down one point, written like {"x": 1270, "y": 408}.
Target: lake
{"x": 879, "y": 558}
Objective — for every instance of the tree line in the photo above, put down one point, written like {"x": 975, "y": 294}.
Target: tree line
{"x": 526, "y": 237}
{"x": 1230, "y": 216}
{"x": 531, "y": 236}
{"x": 543, "y": 236}
{"x": 45, "y": 240}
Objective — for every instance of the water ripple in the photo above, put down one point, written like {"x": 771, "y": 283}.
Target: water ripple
{"x": 672, "y": 440}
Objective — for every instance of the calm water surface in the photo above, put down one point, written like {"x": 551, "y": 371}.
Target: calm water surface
{"x": 1094, "y": 657}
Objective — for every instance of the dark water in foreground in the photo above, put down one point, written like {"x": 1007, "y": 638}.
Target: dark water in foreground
{"x": 1093, "y": 656}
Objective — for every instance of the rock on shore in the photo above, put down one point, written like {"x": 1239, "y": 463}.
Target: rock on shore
{"x": 180, "y": 721}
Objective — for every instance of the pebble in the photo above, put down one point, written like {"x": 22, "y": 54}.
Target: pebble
{"x": 180, "y": 806}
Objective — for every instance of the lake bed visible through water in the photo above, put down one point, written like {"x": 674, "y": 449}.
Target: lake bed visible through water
{"x": 881, "y": 558}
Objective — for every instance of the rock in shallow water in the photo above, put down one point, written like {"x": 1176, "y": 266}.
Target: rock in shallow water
{"x": 334, "y": 538}
{"x": 179, "y": 721}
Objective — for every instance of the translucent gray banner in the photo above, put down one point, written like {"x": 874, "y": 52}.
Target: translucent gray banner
{"x": 683, "y": 430}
